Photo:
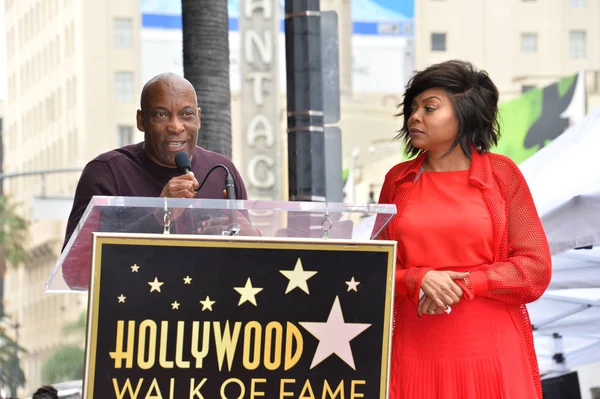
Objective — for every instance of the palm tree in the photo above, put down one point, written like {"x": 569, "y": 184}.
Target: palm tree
{"x": 11, "y": 373}
{"x": 13, "y": 234}
{"x": 206, "y": 65}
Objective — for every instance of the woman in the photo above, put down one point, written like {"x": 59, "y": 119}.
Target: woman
{"x": 471, "y": 249}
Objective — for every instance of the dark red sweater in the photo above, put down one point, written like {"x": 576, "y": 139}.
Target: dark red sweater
{"x": 129, "y": 172}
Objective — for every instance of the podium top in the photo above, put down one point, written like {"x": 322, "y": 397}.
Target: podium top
{"x": 157, "y": 215}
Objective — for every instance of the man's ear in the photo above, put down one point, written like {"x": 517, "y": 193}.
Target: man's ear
{"x": 199, "y": 118}
{"x": 140, "y": 120}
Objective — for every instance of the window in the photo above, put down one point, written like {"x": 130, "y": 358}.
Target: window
{"x": 528, "y": 42}
{"x": 67, "y": 41}
{"x": 74, "y": 93}
{"x": 577, "y": 44}
{"x": 122, "y": 32}
{"x": 438, "y": 42}
{"x": 124, "y": 135}
{"x": 124, "y": 86}
{"x": 577, "y": 3}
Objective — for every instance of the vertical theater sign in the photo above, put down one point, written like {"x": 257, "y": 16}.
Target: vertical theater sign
{"x": 259, "y": 30}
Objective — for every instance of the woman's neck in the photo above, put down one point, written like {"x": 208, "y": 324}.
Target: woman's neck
{"x": 438, "y": 162}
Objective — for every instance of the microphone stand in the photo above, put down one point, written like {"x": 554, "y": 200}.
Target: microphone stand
{"x": 234, "y": 228}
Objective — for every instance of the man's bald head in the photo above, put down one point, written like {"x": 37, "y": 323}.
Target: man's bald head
{"x": 169, "y": 117}
{"x": 168, "y": 82}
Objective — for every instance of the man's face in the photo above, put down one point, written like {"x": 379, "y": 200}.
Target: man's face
{"x": 170, "y": 119}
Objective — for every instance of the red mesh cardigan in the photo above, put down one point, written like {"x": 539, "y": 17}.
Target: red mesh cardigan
{"x": 522, "y": 264}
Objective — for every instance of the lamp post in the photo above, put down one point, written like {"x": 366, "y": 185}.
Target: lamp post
{"x": 306, "y": 132}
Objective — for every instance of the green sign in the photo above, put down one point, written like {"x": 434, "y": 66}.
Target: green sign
{"x": 537, "y": 117}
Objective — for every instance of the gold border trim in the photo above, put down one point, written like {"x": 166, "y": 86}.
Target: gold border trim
{"x": 101, "y": 239}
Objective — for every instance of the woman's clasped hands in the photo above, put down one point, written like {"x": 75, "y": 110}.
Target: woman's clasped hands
{"x": 441, "y": 291}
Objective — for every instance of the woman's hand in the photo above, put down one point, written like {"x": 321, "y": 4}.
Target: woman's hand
{"x": 440, "y": 289}
{"x": 428, "y": 307}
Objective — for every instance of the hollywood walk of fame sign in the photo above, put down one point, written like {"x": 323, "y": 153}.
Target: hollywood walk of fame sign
{"x": 214, "y": 317}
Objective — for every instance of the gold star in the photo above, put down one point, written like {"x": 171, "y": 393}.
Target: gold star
{"x": 121, "y": 298}
{"x": 352, "y": 285}
{"x": 175, "y": 305}
{"x": 207, "y": 304}
{"x": 297, "y": 277}
{"x": 248, "y": 293}
{"x": 187, "y": 280}
{"x": 334, "y": 336}
{"x": 135, "y": 268}
{"x": 155, "y": 285}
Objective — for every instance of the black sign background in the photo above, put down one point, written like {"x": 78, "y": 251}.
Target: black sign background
{"x": 215, "y": 268}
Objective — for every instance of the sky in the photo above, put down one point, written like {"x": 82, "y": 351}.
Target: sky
{"x": 362, "y": 10}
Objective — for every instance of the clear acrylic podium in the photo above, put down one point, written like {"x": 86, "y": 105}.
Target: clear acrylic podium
{"x": 269, "y": 219}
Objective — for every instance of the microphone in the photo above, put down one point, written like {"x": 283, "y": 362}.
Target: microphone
{"x": 182, "y": 160}
{"x": 184, "y": 165}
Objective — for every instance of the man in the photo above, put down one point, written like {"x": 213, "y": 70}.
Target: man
{"x": 170, "y": 118}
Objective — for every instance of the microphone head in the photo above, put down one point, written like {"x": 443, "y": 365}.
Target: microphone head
{"x": 182, "y": 160}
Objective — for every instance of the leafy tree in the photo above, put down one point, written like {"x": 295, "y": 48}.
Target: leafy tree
{"x": 13, "y": 235}
{"x": 66, "y": 363}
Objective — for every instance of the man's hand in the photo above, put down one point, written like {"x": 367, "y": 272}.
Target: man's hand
{"x": 178, "y": 187}
{"x": 219, "y": 224}
{"x": 181, "y": 187}
{"x": 441, "y": 289}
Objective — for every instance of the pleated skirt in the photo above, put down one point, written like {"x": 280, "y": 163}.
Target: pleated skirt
{"x": 475, "y": 352}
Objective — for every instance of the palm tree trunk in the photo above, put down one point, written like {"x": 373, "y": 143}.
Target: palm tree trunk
{"x": 206, "y": 65}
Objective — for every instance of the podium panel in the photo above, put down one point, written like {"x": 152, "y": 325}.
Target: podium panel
{"x": 177, "y": 216}
{"x": 192, "y": 316}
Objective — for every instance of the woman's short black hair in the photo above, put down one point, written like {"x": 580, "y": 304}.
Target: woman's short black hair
{"x": 474, "y": 98}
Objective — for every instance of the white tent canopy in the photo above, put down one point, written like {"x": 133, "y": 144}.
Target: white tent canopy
{"x": 564, "y": 179}
{"x": 567, "y": 322}
{"x": 576, "y": 269}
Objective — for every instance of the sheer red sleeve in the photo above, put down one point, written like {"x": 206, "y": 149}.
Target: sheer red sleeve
{"x": 525, "y": 274}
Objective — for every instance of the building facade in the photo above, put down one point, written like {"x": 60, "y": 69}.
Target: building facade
{"x": 73, "y": 72}
{"x": 523, "y": 44}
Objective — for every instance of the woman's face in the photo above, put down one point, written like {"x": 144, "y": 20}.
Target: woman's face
{"x": 432, "y": 125}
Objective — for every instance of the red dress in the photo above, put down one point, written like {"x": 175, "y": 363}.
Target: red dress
{"x": 474, "y": 351}
{"x": 456, "y": 355}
